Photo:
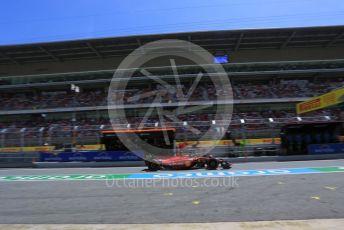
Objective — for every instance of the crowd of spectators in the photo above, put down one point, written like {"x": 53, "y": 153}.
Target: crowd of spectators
{"x": 236, "y": 118}
{"x": 39, "y": 130}
{"x": 60, "y": 99}
{"x": 254, "y": 120}
{"x": 203, "y": 92}
{"x": 286, "y": 89}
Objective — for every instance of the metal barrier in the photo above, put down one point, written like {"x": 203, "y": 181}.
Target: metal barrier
{"x": 61, "y": 135}
{"x": 236, "y": 151}
{"x": 18, "y": 160}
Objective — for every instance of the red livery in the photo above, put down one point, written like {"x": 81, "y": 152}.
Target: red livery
{"x": 186, "y": 162}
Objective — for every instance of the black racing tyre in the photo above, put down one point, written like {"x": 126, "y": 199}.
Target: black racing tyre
{"x": 225, "y": 165}
{"x": 153, "y": 166}
{"x": 212, "y": 164}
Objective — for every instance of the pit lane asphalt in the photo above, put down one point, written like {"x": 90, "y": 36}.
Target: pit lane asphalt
{"x": 283, "y": 197}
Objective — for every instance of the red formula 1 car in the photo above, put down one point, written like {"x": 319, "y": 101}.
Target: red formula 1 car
{"x": 186, "y": 162}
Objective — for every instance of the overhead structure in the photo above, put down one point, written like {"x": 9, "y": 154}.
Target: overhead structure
{"x": 214, "y": 41}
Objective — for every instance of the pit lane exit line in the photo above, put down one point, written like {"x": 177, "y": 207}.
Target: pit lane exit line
{"x": 240, "y": 173}
{"x": 175, "y": 175}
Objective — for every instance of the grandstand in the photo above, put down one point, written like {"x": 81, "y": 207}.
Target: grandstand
{"x": 271, "y": 70}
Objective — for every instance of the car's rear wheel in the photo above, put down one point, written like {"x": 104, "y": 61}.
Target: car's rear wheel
{"x": 212, "y": 164}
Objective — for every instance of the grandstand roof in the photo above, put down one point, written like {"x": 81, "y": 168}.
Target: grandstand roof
{"x": 214, "y": 41}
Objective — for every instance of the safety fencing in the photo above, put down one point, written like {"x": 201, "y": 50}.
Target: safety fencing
{"x": 65, "y": 136}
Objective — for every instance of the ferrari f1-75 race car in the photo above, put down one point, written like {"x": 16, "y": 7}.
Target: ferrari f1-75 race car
{"x": 186, "y": 162}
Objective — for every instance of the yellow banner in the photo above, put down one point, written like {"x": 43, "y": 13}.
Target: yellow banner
{"x": 89, "y": 147}
{"x": 11, "y": 149}
{"x": 229, "y": 142}
{"x": 27, "y": 149}
{"x": 328, "y": 99}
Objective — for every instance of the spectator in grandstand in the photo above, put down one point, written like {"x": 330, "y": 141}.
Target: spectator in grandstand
{"x": 98, "y": 97}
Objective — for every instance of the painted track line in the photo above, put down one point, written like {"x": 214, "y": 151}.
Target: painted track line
{"x": 315, "y": 224}
{"x": 174, "y": 175}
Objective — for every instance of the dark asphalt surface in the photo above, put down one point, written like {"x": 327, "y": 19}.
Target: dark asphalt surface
{"x": 306, "y": 196}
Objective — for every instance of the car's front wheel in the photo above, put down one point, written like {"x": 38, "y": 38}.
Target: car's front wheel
{"x": 225, "y": 165}
{"x": 153, "y": 166}
{"x": 212, "y": 164}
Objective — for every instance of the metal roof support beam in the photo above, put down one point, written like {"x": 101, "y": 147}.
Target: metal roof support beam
{"x": 237, "y": 45}
{"x": 189, "y": 40}
{"x": 286, "y": 42}
{"x": 139, "y": 43}
{"x": 339, "y": 36}
{"x": 49, "y": 53}
{"x": 89, "y": 45}
{"x": 10, "y": 58}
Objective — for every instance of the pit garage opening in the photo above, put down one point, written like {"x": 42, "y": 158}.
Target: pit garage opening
{"x": 158, "y": 141}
